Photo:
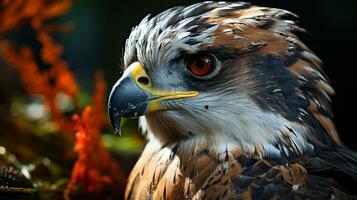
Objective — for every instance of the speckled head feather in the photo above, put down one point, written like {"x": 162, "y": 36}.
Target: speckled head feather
{"x": 261, "y": 125}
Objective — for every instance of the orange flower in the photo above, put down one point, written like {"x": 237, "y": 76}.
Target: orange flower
{"x": 14, "y": 13}
{"x": 50, "y": 54}
{"x": 93, "y": 173}
{"x": 99, "y": 99}
{"x": 24, "y": 62}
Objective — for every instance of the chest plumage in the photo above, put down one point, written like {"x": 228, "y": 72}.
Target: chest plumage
{"x": 182, "y": 171}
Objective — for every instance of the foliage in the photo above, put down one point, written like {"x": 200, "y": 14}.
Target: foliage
{"x": 59, "y": 139}
{"x": 94, "y": 168}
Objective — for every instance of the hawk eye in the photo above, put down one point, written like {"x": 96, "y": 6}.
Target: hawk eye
{"x": 201, "y": 65}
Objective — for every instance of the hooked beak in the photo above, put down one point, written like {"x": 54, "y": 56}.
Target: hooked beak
{"x": 133, "y": 96}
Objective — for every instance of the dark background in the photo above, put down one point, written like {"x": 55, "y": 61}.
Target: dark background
{"x": 101, "y": 28}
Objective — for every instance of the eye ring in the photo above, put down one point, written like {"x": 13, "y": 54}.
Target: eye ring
{"x": 203, "y": 66}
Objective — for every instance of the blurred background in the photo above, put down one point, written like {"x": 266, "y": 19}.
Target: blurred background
{"x": 93, "y": 39}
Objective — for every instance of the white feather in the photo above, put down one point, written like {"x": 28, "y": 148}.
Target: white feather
{"x": 231, "y": 123}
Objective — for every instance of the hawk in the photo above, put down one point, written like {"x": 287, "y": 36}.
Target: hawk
{"x": 233, "y": 105}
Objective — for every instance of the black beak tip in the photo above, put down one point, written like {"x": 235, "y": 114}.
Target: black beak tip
{"x": 117, "y": 131}
{"x": 115, "y": 120}
{"x": 114, "y": 113}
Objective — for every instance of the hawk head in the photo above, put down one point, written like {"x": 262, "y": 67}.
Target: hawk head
{"x": 231, "y": 74}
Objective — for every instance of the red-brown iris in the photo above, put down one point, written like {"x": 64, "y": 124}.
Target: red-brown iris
{"x": 201, "y": 65}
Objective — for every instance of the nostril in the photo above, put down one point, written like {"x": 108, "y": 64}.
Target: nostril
{"x": 143, "y": 80}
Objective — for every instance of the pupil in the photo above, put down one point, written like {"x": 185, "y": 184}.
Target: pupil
{"x": 200, "y": 63}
